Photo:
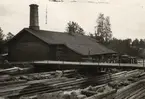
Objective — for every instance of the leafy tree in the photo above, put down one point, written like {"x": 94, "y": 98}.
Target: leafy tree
{"x": 135, "y": 43}
{"x": 9, "y": 36}
{"x": 73, "y": 27}
{"x": 99, "y": 38}
{"x": 99, "y": 29}
{"x": 103, "y": 29}
{"x": 1, "y": 35}
{"x": 142, "y": 43}
{"x": 1, "y": 39}
{"x": 107, "y": 29}
{"x": 91, "y": 35}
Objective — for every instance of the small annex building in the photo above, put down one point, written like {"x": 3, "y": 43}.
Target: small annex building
{"x": 32, "y": 44}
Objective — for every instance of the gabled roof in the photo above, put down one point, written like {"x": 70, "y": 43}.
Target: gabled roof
{"x": 81, "y": 44}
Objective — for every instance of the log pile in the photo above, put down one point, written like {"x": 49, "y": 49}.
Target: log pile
{"x": 11, "y": 80}
{"x": 78, "y": 83}
{"x": 133, "y": 91}
{"x": 110, "y": 83}
{"x": 78, "y": 94}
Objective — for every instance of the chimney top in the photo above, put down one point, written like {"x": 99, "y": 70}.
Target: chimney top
{"x": 34, "y": 17}
{"x": 33, "y": 5}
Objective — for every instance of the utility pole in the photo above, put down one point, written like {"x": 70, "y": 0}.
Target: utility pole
{"x": 46, "y": 15}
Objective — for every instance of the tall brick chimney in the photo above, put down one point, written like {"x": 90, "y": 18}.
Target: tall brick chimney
{"x": 34, "y": 18}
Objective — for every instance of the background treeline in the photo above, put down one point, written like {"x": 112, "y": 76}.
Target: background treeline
{"x": 127, "y": 46}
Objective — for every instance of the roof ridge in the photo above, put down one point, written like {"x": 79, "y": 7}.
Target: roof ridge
{"x": 46, "y": 30}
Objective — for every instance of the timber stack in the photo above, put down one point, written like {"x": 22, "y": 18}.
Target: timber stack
{"x": 84, "y": 87}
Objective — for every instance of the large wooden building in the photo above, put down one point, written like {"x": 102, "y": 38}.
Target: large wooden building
{"x": 34, "y": 44}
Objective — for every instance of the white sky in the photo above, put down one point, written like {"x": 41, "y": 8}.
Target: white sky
{"x": 127, "y": 16}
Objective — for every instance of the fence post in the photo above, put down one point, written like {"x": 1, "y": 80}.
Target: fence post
{"x": 119, "y": 60}
{"x": 98, "y": 61}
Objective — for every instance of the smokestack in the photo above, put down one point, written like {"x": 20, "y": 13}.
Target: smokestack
{"x": 34, "y": 18}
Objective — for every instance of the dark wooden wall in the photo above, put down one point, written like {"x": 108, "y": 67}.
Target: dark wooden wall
{"x": 66, "y": 54}
{"x": 27, "y": 47}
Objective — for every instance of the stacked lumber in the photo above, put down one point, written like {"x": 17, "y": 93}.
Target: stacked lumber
{"x": 106, "y": 95}
{"x": 46, "y": 75}
{"x": 32, "y": 88}
{"x": 7, "y": 80}
{"x": 96, "y": 92}
{"x": 133, "y": 91}
{"x": 78, "y": 83}
{"x": 15, "y": 70}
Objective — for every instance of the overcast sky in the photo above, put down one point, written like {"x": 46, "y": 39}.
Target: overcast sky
{"x": 127, "y": 16}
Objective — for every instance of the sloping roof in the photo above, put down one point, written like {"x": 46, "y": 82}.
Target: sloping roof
{"x": 81, "y": 44}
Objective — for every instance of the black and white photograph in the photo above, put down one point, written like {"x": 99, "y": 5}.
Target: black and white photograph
{"x": 72, "y": 49}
